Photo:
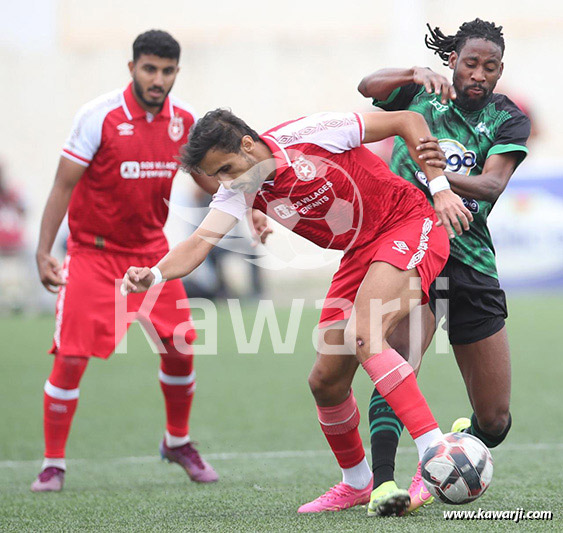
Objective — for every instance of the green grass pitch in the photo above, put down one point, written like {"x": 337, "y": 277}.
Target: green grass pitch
{"x": 255, "y": 421}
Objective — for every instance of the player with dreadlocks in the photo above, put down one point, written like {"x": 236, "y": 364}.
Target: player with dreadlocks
{"x": 483, "y": 135}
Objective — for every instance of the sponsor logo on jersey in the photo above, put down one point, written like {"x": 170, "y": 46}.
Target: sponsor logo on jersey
{"x": 458, "y": 158}
{"x": 176, "y": 128}
{"x": 471, "y": 204}
{"x": 285, "y": 211}
{"x": 304, "y": 169}
{"x": 148, "y": 169}
{"x": 440, "y": 107}
{"x": 125, "y": 128}
{"x": 421, "y": 177}
{"x": 130, "y": 170}
{"x": 401, "y": 247}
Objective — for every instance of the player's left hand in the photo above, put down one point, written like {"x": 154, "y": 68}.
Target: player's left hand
{"x": 431, "y": 153}
{"x": 259, "y": 227}
{"x": 136, "y": 279}
{"x": 452, "y": 214}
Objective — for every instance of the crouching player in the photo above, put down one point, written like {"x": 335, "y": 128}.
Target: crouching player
{"x": 314, "y": 176}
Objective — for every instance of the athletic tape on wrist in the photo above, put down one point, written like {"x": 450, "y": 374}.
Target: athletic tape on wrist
{"x": 438, "y": 184}
{"x": 157, "y": 276}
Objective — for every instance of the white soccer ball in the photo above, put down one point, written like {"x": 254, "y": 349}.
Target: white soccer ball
{"x": 457, "y": 468}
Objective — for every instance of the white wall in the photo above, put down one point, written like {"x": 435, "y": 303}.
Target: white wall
{"x": 267, "y": 61}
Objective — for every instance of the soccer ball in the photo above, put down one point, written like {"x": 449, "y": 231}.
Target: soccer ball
{"x": 457, "y": 468}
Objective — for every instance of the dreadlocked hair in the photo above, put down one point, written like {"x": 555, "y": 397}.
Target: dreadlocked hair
{"x": 444, "y": 45}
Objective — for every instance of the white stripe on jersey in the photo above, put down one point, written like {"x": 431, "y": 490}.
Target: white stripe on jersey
{"x": 335, "y": 132}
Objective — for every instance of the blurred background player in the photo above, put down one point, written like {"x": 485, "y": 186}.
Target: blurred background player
{"x": 13, "y": 256}
{"x": 313, "y": 176}
{"x": 114, "y": 176}
{"x": 483, "y": 136}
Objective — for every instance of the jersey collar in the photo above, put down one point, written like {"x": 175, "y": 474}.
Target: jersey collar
{"x": 281, "y": 157}
{"x": 133, "y": 109}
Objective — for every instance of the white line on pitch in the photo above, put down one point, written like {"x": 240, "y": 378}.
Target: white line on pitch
{"x": 278, "y": 454}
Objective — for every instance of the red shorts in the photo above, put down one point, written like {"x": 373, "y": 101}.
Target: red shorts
{"x": 89, "y": 302}
{"x": 416, "y": 243}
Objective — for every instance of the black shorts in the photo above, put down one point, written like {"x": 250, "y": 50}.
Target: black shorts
{"x": 475, "y": 306}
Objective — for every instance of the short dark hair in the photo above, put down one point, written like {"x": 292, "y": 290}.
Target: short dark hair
{"x": 444, "y": 45}
{"x": 219, "y": 129}
{"x": 158, "y": 43}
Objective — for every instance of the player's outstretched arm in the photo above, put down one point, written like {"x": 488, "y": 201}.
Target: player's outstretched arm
{"x": 382, "y": 83}
{"x": 67, "y": 176}
{"x": 184, "y": 257}
{"x": 492, "y": 181}
{"x": 424, "y": 149}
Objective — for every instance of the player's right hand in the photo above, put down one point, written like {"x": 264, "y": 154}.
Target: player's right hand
{"x": 433, "y": 82}
{"x": 49, "y": 272}
{"x": 136, "y": 279}
{"x": 452, "y": 214}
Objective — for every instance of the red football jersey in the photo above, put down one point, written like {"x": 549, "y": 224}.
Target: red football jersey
{"x": 119, "y": 204}
{"x": 327, "y": 187}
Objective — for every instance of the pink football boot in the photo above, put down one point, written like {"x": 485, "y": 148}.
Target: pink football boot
{"x": 49, "y": 480}
{"x": 338, "y": 498}
{"x": 189, "y": 459}
{"x": 418, "y": 492}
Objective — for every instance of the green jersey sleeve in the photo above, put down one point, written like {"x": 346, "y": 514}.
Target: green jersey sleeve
{"x": 399, "y": 99}
{"x": 512, "y": 136}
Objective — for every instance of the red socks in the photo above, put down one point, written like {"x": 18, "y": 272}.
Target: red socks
{"x": 395, "y": 381}
{"x": 59, "y": 402}
{"x": 177, "y": 381}
{"x": 339, "y": 424}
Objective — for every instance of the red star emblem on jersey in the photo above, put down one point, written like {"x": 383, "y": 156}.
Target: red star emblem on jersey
{"x": 304, "y": 169}
{"x": 176, "y": 128}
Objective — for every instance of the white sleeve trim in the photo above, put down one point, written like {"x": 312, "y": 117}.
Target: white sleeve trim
{"x": 231, "y": 202}
{"x": 68, "y": 155}
{"x": 360, "y": 118}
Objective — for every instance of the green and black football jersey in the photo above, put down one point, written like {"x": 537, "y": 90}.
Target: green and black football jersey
{"x": 467, "y": 139}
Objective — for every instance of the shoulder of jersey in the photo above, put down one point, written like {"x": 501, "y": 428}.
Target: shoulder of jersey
{"x": 502, "y": 102}
{"x": 292, "y": 131}
{"x": 182, "y": 106}
{"x": 102, "y": 105}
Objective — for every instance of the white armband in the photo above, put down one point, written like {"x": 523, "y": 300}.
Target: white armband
{"x": 157, "y": 276}
{"x": 438, "y": 184}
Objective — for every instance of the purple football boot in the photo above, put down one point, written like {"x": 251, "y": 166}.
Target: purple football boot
{"x": 189, "y": 459}
{"x": 49, "y": 480}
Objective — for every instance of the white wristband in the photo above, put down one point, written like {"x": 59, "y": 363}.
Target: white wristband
{"x": 157, "y": 276}
{"x": 438, "y": 184}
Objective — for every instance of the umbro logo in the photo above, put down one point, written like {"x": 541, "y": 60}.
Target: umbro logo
{"x": 125, "y": 128}
{"x": 401, "y": 247}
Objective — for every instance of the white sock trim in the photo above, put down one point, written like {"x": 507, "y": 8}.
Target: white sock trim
{"x": 176, "y": 380}
{"x": 61, "y": 394}
{"x": 359, "y": 476}
{"x": 426, "y": 440}
{"x": 57, "y": 463}
{"x": 341, "y": 422}
{"x": 175, "y": 442}
{"x": 390, "y": 371}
